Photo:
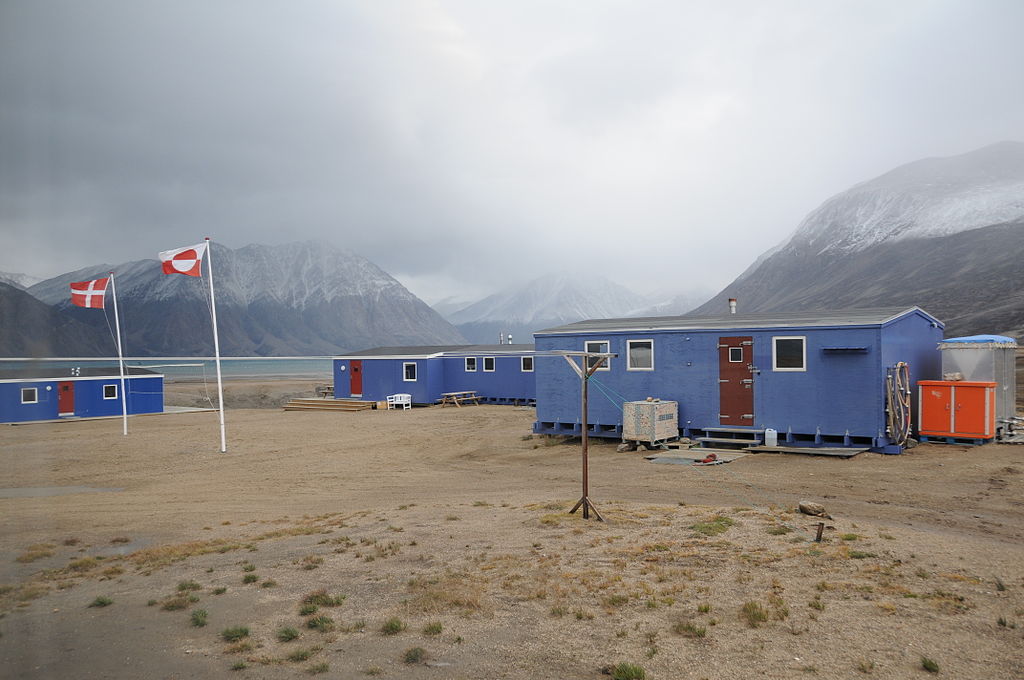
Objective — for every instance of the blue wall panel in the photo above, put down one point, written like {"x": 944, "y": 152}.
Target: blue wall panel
{"x": 145, "y": 395}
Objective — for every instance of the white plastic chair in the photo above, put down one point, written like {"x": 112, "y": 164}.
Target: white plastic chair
{"x": 403, "y": 400}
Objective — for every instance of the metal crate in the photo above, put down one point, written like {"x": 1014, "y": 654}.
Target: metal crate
{"x": 654, "y": 422}
{"x": 985, "y": 359}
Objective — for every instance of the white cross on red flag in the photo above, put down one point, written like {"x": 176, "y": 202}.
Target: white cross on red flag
{"x": 187, "y": 261}
{"x": 89, "y": 293}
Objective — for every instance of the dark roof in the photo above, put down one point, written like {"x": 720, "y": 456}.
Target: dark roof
{"x": 40, "y": 373}
{"x": 851, "y": 317}
{"x": 431, "y": 350}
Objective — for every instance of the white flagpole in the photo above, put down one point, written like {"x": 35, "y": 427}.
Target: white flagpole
{"x": 216, "y": 346}
{"x": 120, "y": 355}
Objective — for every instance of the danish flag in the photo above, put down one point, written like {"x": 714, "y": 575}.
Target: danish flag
{"x": 188, "y": 260}
{"x": 89, "y": 293}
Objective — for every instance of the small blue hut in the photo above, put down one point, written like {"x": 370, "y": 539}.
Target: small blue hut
{"x": 818, "y": 379}
{"x": 28, "y": 394}
{"x": 499, "y": 374}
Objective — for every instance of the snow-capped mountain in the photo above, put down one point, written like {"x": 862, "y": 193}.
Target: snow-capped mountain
{"x": 297, "y": 299}
{"x": 20, "y": 281}
{"x": 928, "y": 198}
{"x": 547, "y": 301}
{"x": 943, "y": 233}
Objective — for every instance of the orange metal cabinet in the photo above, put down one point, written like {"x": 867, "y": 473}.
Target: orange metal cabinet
{"x": 956, "y": 408}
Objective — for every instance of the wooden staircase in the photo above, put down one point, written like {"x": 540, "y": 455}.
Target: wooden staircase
{"x": 328, "y": 405}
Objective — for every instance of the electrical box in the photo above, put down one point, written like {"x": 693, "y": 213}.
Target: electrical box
{"x": 650, "y": 421}
{"x": 957, "y": 408}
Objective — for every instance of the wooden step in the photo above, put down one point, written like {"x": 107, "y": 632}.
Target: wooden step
{"x": 328, "y": 405}
{"x": 727, "y": 440}
{"x": 734, "y": 430}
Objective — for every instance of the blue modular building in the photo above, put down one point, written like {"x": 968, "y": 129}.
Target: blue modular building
{"x": 500, "y": 374}
{"x": 83, "y": 392}
{"x": 817, "y": 379}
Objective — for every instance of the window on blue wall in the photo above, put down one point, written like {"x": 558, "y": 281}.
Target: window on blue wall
{"x": 29, "y": 395}
{"x": 789, "y": 353}
{"x": 488, "y": 364}
{"x": 641, "y": 355}
{"x": 409, "y": 371}
{"x": 470, "y": 364}
{"x": 600, "y": 346}
{"x": 526, "y": 364}
{"x": 110, "y": 391}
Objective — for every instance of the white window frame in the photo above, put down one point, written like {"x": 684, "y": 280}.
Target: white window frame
{"x": 493, "y": 365}
{"x": 105, "y": 391}
{"x": 736, "y": 361}
{"x": 35, "y": 395}
{"x": 522, "y": 364}
{"x": 415, "y": 371}
{"x": 775, "y": 361}
{"x": 629, "y": 345}
{"x": 607, "y": 365}
{"x": 468, "y": 369}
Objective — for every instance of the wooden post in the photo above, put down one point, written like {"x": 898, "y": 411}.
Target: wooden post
{"x": 585, "y": 371}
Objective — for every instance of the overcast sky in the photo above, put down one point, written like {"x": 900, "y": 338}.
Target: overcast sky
{"x": 465, "y": 146}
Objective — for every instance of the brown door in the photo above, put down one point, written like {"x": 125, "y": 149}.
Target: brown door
{"x": 66, "y": 398}
{"x": 355, "y": 377}
{"x": 736, "y": 381}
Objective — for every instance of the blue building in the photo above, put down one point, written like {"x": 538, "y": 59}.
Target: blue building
{"x": 818, "y": 379}
{"x": 500, "y": 374}
{"x": 48, "y": 394}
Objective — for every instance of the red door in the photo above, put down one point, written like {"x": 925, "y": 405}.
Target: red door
{"x": 936, "y": 413}
{"x": 735, "y": 381}
{"x": 355, "y": 377}
{"x": 66, "y": 398}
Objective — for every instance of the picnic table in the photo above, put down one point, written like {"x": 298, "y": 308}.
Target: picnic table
{"x": 458, "y": 398}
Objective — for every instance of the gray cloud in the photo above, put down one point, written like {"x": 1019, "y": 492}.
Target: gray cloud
{"x": 465, "y": 145}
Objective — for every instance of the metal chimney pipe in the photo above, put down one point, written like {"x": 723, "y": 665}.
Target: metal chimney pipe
{"x": 732, "y": 305}
{"x": 510, "y": 338}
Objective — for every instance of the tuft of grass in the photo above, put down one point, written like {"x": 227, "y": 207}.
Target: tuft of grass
{"x": 302, "y": 654}
{"x": 860, "y": 554}
{"x": 318, "y": 668}
{"x": 220, "y": 591}
{"x": 628, "y": 671}
{"x": 1000, "y": 586}
{"x": 235, "y": 633}
{"x": 393, "y": 626}
{"x": 616, "y": 600}
{"x": 269, "y": 583}
{"x": 310, "y": 562}
{"x": 248, "y": 567}
{"x": 322, "y": 599}
{"x": 559, "y": 612}
{"x": 101, "y": 601}
{"x": 849, "y": 537}
{"x": 173, "y": 604}
{"x": 199, "y": 617}
{"x": 703, "y": 608}
{"x": 778, "y": 530}
{"x": 239, "y": 665}
{"x": 718, "y": 524}
{"x": 865, "y": 666}
{"x": 374, "y": 670}
{"x": 414, "y": 655}
{"x": 433, "y": 628}
{"x": 287, "y": 634}
{"x": 307, "y": 609}
{"x": 929, "y": 665}
{"x": 84, "y": 564}
{"x": 322, "y": 623}
{"x": 690, "y": 630}
{"x": 120, "y": 539}
{"x": 152, "y": 603}
{"x": 250, "y": 578}
{"x": 187, "y": 586}
{"x": 753, "y": 613}
{"x": 35, "y": 552}
{"x": 816, "y": 603}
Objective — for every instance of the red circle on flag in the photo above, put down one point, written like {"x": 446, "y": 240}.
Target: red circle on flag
{"x": 185, "y": 261}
